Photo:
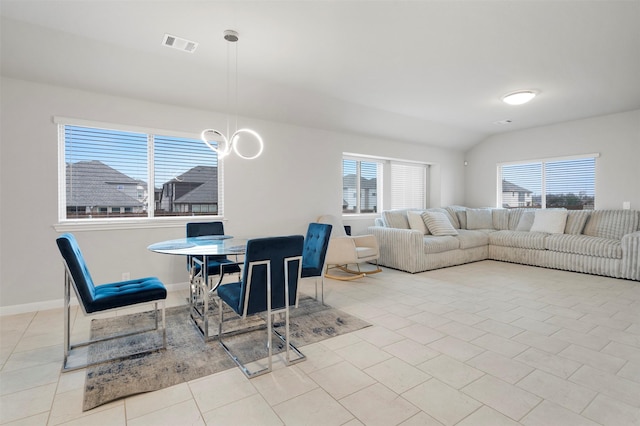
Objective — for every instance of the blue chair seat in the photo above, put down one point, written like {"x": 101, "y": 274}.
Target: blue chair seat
{"x": 126, "y": 293}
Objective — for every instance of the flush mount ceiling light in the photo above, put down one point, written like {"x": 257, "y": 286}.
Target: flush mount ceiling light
{"x": 520, "y": 97}
{"x": 215, "y": 139}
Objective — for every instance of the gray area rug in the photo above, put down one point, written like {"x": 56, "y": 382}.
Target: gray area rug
{"x": 187, "y": 356}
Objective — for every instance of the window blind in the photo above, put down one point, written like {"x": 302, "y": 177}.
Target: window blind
{"x": 107, "y": 175}
{"x": 567, "y": 183}
{"x": 408, "y": 185}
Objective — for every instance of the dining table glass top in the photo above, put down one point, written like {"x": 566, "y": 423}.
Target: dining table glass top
{"x": 208, "y": 245}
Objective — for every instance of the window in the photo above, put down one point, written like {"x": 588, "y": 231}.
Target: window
{"x": 360, "y": 181}
{"x": 405, "y": 184}
{"x": 565, "y": 182}
{"x": 106, "y": 174}
{"x": 408, "y": 185}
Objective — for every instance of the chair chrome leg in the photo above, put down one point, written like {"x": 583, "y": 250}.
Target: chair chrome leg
{"x": 69, "y": 346}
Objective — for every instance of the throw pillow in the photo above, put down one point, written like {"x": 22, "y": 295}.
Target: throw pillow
{"x": 526, "y": 221}
{"x": 576, "y": 220}
{"x": 416, "y": 222}
{"x": 549, "y": 221}
{"x": 479, "y": 219}
{"x": 395, "y": 219}
{"x": 438, "y": 224}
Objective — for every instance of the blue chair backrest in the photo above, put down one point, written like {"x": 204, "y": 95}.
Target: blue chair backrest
{"x": 202, "y": 229}
{"x": 275, "y": 249}
{"x": 77, "y": 267}
{"x": 315, "y": 247}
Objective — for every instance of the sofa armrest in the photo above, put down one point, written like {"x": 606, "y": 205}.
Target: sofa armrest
{"x": 399, "y": 248}
{"x": 631, "y": 256}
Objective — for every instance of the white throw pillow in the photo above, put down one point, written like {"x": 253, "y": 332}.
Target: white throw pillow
{"x": 438, "y": 223}
{"x": 479, "y": 219}
{"x": 416, "y": 222}
{"x": 549, "y": 221}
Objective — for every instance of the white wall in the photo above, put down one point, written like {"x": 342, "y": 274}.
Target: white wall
{"x": 616, "y": 137}
{"x": 296, "y": 179}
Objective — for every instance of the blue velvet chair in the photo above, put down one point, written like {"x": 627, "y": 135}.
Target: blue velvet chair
{"x": 216, "y": 265}
{"x": 106, "y": 297}
{"x": 314, "y": 253}
{"x": 269, "y": 284}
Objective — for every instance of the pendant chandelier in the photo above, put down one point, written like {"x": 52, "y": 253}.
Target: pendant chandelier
{"x": 215, "y": 139}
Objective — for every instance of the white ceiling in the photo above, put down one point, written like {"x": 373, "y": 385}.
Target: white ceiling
{"x": 421, "y": 71}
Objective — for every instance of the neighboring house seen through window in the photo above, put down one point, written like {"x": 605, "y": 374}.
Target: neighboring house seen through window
{"x": 107, "y": 174}
{"x": 360, "y": 181}
{"x": 560, "y": 183}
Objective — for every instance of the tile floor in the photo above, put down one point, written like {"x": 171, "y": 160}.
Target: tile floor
{"x": 487, "y": 343}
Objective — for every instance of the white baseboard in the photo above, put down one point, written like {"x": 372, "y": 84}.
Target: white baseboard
{"x": 59, "y": 303}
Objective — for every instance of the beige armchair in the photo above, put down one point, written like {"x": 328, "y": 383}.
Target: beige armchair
{"x": 346, "y": 251}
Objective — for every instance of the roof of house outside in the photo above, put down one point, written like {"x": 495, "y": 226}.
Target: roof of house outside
{"x": 93, "y": 183}
{"x": 350, "y": 182}
{"x": 206, "y": 192}
{"x": 512, "y": 187}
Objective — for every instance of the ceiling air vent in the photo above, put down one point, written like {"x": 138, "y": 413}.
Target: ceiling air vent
{"x": 179, "y": 43}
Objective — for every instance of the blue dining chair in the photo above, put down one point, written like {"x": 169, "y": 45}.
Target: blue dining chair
{"x": 216, "y": 265}
{"x": 269, "y": 284}
{"x": 314, "y": 254}
{"x": 95, "y": 299}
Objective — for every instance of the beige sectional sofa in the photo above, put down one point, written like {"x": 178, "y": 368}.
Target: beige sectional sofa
{"x": 600, "y": 242}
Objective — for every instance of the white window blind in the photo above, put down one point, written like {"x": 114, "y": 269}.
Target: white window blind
{"x": 408, "y": 185}
{"x": 568, "y": 183}
{"x": 107, "y": 174}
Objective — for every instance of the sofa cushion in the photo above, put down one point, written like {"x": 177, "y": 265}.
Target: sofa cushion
{"x": 438, "y": 223}
{"x": 549, "y": 220}
{"x": 586, "y": 245}
{"x": 416, "y": 222}
{"x": 576, "y": 220}
{"x": 462, "y": 218}
{"x": 470, "y": 238}
{"x": 433, "y": 244}
{"x": 515, "y": 215}
{"x": 500, "y": 219}
{"x": 611, "y": 224}
{"x": 479, "y": 219}
{"x": 519, "y": 239}
{"x": 396, "y": 219}
{"x": 526, "y": 221}
{"x": 452, "y": 213}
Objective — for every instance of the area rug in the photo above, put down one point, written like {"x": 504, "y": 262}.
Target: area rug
{"x": 187, "y": 356}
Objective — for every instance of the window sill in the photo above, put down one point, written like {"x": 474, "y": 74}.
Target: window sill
{"x": 116, "y": 224}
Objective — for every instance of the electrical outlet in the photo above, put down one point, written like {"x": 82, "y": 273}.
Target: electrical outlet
{"x": 626, "y": 205}
{"x": 126, "y": 276}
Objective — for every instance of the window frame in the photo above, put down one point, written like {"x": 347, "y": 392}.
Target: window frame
{"x": 379, "y": 183}
{"x": 543, "y": 180}
{"x": 150, "y": 221}
{"x": 385, "y": 184}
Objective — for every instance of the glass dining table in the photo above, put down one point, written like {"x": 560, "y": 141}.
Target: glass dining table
{"x": 201, "y": 288}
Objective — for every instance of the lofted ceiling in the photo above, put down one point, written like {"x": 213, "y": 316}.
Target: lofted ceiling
{"x": 420, "y": 71}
